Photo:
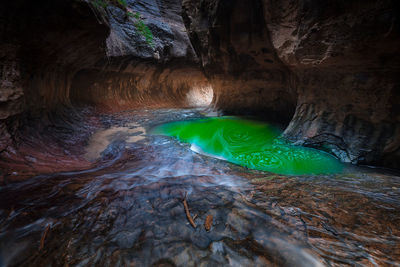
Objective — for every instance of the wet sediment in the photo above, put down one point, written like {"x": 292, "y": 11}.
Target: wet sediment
{"x": 127, "y": 208}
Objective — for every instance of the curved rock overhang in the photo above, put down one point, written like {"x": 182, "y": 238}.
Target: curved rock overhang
{"x": 331, "y": 67}
{"x": 59, "y": 54}
{"x": 331, "y": 74}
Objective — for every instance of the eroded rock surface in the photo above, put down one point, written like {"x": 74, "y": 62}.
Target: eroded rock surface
{"x": 129, "y": 210}
{"x": 59, "y": 54}
{"x": 335, "y": 61}
{"x": 232, "y": 40}
{"x": 41, "y": 50}
{"x": 344, "y": 54}
{"x": 330, "y": 69}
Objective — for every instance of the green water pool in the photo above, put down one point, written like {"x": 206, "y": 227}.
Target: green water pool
{"x": 250, "y": 144}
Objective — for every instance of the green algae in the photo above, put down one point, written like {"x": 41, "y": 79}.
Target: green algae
{"x": 250, "y": 144}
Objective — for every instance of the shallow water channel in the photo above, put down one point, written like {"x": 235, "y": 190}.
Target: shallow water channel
{"x": 128, "y": 210}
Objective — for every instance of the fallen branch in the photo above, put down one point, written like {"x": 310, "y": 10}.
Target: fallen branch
{"x": 187, "y": 212}
{"x": 44, "y": 237}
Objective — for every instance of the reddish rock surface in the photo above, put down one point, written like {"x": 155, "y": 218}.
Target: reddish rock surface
{"x": 327, "y": 70}
{"x": 58, "y": 54}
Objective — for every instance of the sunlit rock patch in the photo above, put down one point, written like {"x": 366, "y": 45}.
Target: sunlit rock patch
{"x": 200, "y": 96}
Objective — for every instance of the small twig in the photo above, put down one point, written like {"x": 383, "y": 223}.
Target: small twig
{"x": 208, "y": 222}
{"x": 187, "y": 212}
{"x": 44, "y": 237}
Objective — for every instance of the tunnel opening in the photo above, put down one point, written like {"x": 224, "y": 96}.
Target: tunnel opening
{"x": 200, "y": 96}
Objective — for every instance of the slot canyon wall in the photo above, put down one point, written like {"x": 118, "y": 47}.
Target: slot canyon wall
{"x": 329, "y": 70}
{"x": 334, "y": 64}
{"x": 57, "y": 53}
{"x": 135, "y": 73}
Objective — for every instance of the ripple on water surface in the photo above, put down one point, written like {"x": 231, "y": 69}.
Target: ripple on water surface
{"x": 250, "y": 144}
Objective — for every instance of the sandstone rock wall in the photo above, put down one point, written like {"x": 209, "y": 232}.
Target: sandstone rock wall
{"x": 336, "y": 61}
{"x": 345, "y": 55}
{"x": 236, "y": 52}
{"x": 40, "y": 52}
{"x": 327, "y": 69}
{"x": 140, "y": 85}
{"x": 46, "y": 47}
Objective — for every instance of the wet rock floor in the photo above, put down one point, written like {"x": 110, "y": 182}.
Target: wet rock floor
{"x": 127, "y": 210}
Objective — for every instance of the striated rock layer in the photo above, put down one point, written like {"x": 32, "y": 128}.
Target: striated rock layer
{"x": 327, "y": 69}
{"x": 332, "y": 65}
{"x": 57, "y": 54}
{"x": 142, "y": 85}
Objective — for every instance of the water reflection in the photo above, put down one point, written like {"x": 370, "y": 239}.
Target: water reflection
{"x": 129, "y": 211}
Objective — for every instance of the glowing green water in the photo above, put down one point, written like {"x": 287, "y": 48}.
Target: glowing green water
{"x": 251, "y": 144}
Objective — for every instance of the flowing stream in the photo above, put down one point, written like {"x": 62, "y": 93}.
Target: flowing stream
{"x": 128, "y": 210}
